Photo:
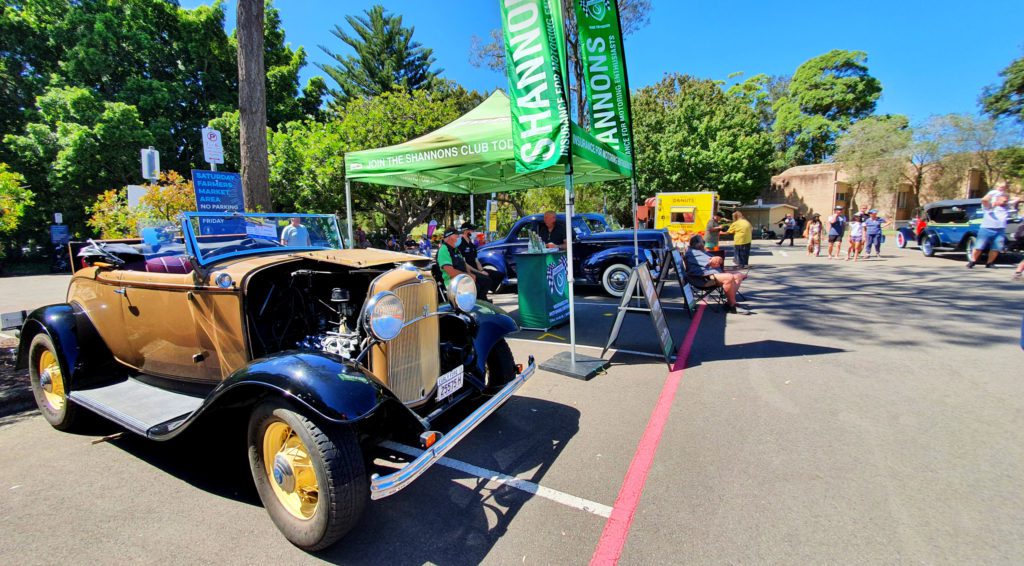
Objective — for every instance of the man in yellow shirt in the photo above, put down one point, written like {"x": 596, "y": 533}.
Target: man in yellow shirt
{"x": 743, "y": 234}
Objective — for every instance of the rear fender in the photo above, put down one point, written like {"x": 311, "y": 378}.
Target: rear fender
{"x": 80, "y": 348}
{"x": 494, "y": 258}
{"x": 593, "y": 267}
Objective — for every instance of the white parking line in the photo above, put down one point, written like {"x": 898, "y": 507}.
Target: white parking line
{"x": 520, "y": 484}
{"x": 612, "y": 350}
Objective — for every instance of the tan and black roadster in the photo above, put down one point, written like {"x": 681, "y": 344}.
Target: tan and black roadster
{"x": 329, "y": 351}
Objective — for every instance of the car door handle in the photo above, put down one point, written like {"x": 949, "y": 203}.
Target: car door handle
{"x": 120, "y": 291}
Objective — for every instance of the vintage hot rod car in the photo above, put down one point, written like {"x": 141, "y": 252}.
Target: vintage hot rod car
{"x": 328, "y": 351}
{"x": 601, "y": 256}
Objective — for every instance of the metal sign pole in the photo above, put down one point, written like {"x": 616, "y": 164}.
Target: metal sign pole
{"x": 569, "y": 206}
{"x": 348, "y": 210}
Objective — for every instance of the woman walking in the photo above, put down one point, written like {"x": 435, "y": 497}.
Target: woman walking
{"x": 813, "y": 233}
{"x": 856, "y": 238}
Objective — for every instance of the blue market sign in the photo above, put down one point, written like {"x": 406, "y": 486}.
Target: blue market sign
{"x": 219, "y": 191}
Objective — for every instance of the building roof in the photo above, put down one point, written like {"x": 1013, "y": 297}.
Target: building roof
{"x": 765, "y": 206}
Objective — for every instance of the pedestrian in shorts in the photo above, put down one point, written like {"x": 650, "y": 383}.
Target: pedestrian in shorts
{"x": 836, "y": 228}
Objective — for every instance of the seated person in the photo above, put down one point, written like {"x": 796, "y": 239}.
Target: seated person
{"x": 451, "y": 263}
{"x": 703, "y": 267}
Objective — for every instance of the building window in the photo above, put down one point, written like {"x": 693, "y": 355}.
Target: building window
{"x": 901, "y": 199}
{"x": 840, "y": 197}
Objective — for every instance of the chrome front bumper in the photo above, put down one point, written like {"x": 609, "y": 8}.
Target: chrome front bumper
{"x": 383, "y": 486}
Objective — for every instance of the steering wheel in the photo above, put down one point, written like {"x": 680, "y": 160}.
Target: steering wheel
{"x": 106, "y": 253}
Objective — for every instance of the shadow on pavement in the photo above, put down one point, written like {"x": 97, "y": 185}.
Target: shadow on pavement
{"x": 440, "y": 521}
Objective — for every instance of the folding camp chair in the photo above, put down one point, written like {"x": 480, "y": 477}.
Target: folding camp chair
{"x": 705, "y": 290}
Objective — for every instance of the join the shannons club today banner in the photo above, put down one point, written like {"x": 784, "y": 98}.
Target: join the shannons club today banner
{"x": 534, "y": 56}
{"x": 604, "y": 70}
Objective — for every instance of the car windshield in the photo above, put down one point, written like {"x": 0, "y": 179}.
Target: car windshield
{"x": 597, "y": 225}
{"x": 212, "y": 236}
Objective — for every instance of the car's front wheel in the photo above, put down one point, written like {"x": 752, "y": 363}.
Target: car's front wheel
{"x": 49, "y": 386}
{"x": 501, "y": 367}
{"x": 312, "y": 481}
{"x": 927, "y": 246}
{"x": 615, "y": 278}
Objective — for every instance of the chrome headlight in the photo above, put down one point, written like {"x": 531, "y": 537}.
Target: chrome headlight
{"x": 384, "y": 316}
{"x": 462, "y": 292}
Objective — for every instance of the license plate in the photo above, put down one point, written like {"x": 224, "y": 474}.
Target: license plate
{"x": 449, "y": 383}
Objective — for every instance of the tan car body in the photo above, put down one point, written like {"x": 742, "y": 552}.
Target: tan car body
{"x": 184, "y": 326}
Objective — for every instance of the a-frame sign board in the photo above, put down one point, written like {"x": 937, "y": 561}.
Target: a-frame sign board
{"x": 640, "y": 279}
{"x": 673, "y": 261}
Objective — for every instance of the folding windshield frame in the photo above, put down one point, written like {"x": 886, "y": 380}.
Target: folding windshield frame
{"x": 192, "y": 243}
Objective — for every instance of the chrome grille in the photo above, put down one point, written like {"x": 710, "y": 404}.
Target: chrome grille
{"x": 413, "y": 358}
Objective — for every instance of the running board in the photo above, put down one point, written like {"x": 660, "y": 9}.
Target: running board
{"x": 137, "y": 406}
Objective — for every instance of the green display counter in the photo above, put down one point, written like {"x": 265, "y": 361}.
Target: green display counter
{"x": 543, "y": 289}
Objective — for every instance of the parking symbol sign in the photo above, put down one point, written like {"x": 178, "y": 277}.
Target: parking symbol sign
{"x": 213, "y": 150}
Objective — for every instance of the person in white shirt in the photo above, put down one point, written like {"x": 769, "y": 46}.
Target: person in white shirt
{"x": 295, "y": 234}
{"x": 856, "y": 238}
{"x": 992, "y": 232}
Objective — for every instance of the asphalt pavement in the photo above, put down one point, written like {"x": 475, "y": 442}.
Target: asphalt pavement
{"x": 863, "y": 412}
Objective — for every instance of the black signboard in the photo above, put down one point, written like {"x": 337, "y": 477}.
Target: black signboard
{"x": 641, "y": 278}
{"x": 673, "y": 263}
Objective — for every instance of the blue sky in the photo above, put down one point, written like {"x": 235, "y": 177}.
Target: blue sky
{"x": 932, "y": 57}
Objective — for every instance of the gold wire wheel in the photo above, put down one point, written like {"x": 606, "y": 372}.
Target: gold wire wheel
{"x": 290, "y": 469}
{"x": 51, "y": 381}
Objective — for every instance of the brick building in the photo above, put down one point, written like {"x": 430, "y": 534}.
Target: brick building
{"x": 818, "y": 188}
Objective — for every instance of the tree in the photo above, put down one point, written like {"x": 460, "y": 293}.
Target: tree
{"x": 827, "y": 95}
{"x": 1007, "y": 99}
{"x": 112, "y": 218}
{"x": 307, "y": 167}
{"x": 76, "y": 147}
{"x": 386, "y": 57}
{"x": 874, "y": 154}
{"x": 14, "y": 199}
{"x": 391, "y": 118}
{"x": 633, "y": 15}
{"x": 693, "y": 136}
{"x": 252, "y": 107}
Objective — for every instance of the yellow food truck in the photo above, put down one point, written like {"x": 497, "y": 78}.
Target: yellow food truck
{"x": 686, "y": 214}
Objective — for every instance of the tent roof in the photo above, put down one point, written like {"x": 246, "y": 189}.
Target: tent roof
{"x": 473, "y": 155}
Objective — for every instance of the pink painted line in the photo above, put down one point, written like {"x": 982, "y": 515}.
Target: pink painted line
{"x": 616, "y": 530}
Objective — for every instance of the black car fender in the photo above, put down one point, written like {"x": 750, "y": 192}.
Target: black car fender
{"x": 336, "y": 389}
{"x": 79, "y": 347}
{"x": 593, "y": 267}
{"x": 492, "y": 325}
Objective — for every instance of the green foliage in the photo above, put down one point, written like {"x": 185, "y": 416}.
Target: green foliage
{"x": 825, "y": 97}
{"x": 386, "y": 57}
{"x": 873, "y": 153}
{"x": 112, "y": 218}
{"x": 14, "y": 199}
{"x": 76, "y": 146}
{"x": 693, "y": 136}
{"x": 1007, "y": 99}
{"x": 307, "y": 167}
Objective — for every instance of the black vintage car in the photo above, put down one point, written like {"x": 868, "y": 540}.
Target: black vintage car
{"x": 601, "y": 256}
{"x": 326, "y": 353}
{"x": 952, "y": 225}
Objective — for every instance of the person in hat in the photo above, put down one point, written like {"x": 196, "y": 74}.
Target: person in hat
{"x": 813, "y": 233}
{"x": 467, "y": 247}
{"x": 712, "y": 230}
{"x": 873, "y": 226}
{"x": 450, "y": 261}
{"x": 836, "y": 228}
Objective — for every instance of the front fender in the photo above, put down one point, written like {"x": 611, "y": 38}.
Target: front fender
{"x": 494, "y": 258}
{"x": 492, "y": 325}
{"x": 336, "y": 389}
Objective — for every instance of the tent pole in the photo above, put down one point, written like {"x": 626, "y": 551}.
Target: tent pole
{"x": 570, "y": 206}
{"x": 348, "y": 210}
{"x": 636, "y": 238}
{"x": 472, "y": 213}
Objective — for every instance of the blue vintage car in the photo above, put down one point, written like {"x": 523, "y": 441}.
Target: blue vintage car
{"x": 601, "y": 256}
{"x": 953, "y": 226}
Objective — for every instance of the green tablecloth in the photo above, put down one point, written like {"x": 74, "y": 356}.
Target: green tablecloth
{"x": 543, "y": 289}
